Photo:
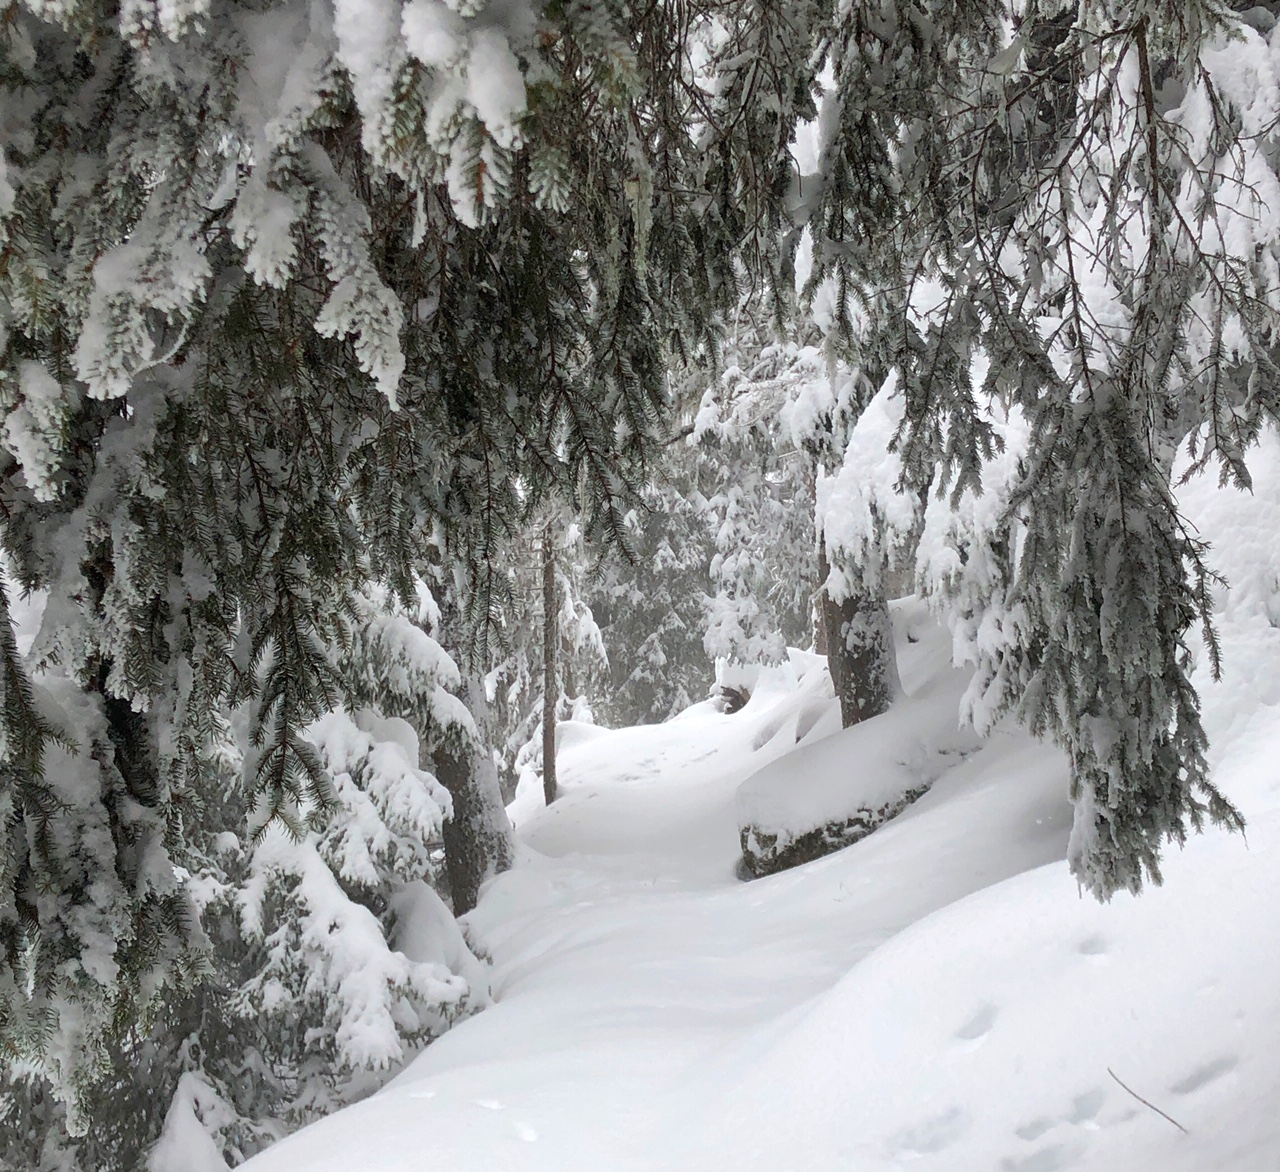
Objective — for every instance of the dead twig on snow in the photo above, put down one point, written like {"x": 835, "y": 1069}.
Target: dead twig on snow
{"x": 1144, "y": 1102}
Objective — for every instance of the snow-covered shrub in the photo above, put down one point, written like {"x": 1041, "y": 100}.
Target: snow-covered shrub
{"x": 327, "y": 957}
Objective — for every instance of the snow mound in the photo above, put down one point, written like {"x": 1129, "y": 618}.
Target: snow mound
{"x": 1011, "y": 1031}
{"x": 833, "y": 791}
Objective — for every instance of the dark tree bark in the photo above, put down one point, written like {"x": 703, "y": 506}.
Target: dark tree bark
{"x": 477, "y": 839}
{"x": 859, "y": 646}
{"x": 820, "y": 600}
{"x": 550, "y": 687}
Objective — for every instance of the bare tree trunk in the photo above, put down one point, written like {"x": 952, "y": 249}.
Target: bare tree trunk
{"x": 550, "y": 688}
{"x": 860, "y": 652}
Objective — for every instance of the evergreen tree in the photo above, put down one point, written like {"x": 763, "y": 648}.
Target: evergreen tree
{"x": 552, "y": 653}
{"x": 650, "y": 602}
{"x": 1075, "y": 201}
{"x": 286, "y": 292}
{"x": 295, "y": 300}
{"x": 770, "y": 429}
{"x": 327, "y": 958}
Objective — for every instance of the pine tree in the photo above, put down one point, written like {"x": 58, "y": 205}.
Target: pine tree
{"x": 758, "y": 430}
{"x": 770, "y": 431}
{"x": 293, "y": 302}
{"x": 327, "y": 958}
{"x": 551, "y": 655}
{"x": 1072, "y": 202}
{"x": 649, "y": 600}
{"x": 285, "y": 295}
{"x": 550, "y": 678}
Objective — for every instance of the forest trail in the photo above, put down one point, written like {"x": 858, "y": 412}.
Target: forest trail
{"x": 937, "y": 995}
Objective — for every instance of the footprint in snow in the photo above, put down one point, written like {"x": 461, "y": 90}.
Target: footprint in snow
{"x": 1034, "y": 1130}
{"x": 1084, "y": 1112}
{"x": 979, "y": 1025}
{"x": 1050, "y": 1159}
{"x": 1085, "y": 1108}
{"x": 932, "y": 1134}
{"x": 1202, "y": 1076}
{"x": 1093, "y": 946}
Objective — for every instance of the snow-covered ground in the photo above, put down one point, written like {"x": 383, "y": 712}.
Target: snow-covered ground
{"x": 938, "y": 994}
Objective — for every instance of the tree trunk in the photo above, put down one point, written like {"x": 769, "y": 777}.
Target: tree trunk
{"x": 816, "y": 616}
{"x": 860, "y": 653}
{"x": 820, "y": 600}
{"x": 550, "y": 688}
{"x": 477, "y": 839}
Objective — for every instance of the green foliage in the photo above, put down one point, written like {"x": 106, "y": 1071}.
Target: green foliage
{"x": 298, "y": 299}
{"x": 293, "y": 300}
{"x": 1074, "y": 208}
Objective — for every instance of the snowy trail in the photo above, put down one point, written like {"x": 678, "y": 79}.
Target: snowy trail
{"x": 936, "y": 996}
{"x": 633, "y": 968}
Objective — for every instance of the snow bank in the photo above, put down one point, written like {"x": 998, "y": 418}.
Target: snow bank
{"x": 185, "y": 1143}
{"x": 991, "y": 1036}
{"x": 834, "y": 791}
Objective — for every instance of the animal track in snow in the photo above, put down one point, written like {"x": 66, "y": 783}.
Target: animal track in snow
{"x": 1084, "y": 1108}
{"x": 1034, "y": 1130}
{"x": 1202, "y": 1076}
{"x": 1094, "y": 945}
{"x": 979, "y": 1025}
{"x": 1083, "y": 1113}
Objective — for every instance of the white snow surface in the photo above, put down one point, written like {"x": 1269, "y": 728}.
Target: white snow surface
{"x": 829, "y": 778}
{"x": 938, "y": 995}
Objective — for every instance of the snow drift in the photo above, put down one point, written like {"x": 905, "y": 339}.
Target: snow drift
{"x": 938, "y": 994}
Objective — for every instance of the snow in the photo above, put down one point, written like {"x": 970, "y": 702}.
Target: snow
{"x": 495, "y": 85}
{"x": 185, "y": 1144}
{"x": 938, "y": 995}
{"x": 31, "y": 431}
{"x": 863, "y": 768}
{"x": 369, "y": 48}
{"x": 25, "y": 610}
{"x": 860, "y": 507}
{"x": 375, "y": 989}
{"x": 432, "y": 32}
{"x": 6, "y": 188}
{"x": 427, "y": 933}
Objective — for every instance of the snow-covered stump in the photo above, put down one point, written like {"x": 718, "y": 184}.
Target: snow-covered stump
{"x": 767, "y": 851}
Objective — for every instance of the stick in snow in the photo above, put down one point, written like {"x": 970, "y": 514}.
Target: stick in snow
{"x": 1144, "y": 1102}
